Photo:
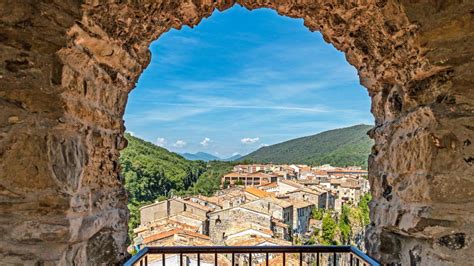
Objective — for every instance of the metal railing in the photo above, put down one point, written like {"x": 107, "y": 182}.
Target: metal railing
{"x": 307, "y": 255}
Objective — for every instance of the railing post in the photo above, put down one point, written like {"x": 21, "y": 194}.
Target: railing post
{"x": 181, "y": 259}
{"x": 334, "y": 258}
{"x": 215, "y": 259}
{"x": 199, "y": 259}
{"x": 317, "y": 259}
{"x": 351, "y": 258}
{"x": 250, "y": 259}
{"x": 163, "y": 259}
{"x": 266, "y": 259}
{"x": 301, "y": 258}
{"x": 146, "y": 260}
{"x": 284, "y": 259}
{"x": 233, "y": 259}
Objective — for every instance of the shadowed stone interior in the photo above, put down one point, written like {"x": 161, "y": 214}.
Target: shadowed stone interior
{"x": 66, "y": 68}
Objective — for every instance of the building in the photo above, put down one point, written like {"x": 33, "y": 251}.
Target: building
{"x": 285, "y": 186}
{"x": 247, "y": 179}
{"x": 222, "y": 222}
{"x": 301, "y": 216}
{"x": 229, "y": 198}
{"x": 179, "y": 210}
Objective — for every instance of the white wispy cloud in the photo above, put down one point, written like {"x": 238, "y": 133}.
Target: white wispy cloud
{"x": 249, "y": 140}
{"x": 160, "y": 142}
{"x": 158, "y": 113}
{"x": 236, "y": 106}
{"x": 179, "y": 144}
{"x": 205, "y": 142}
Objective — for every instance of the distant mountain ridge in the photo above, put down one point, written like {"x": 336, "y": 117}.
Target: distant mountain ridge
{"x": 203, "y": 156}
{"x": 206, "y": 157}
{"x": 233, "y": 158}
{"x": 338, "y": 147}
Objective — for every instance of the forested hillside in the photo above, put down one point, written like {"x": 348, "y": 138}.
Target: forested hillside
{"x": 338, "y": 147}
{"x": 152, "y": 172}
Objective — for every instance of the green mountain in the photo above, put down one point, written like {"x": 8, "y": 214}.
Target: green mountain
{"x": 151, "y": 171}
{"x": 338, "y": 147}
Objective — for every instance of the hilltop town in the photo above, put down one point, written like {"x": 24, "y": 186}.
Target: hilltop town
{"x": 258, "y": 204}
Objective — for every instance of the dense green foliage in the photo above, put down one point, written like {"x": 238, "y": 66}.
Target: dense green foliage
{"x": 338, "y": 147}
{"x": 209, "y": 181}
{"x": 153, "y": 173}
{"x": 350, "y": 221}
{"x": 364, "y": 208}
{"x": 345, "y": 224}
{"x": 329, "y": 228}
{"x": 317, "y": 213}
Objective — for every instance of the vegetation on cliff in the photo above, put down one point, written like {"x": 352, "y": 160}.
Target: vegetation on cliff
{"x": 341, "y": 228}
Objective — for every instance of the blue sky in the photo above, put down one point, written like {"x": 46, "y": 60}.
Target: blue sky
{"x": 242, "y": 79}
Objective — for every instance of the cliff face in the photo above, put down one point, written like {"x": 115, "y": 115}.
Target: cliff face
{"x": 66, "y": 69}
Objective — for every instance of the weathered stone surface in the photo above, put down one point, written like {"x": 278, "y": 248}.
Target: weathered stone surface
{"x": 67, "y": 67}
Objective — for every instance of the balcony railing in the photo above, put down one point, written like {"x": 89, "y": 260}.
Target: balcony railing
{"x": 251, "y": 255}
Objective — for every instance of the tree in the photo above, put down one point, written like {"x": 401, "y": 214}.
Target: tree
{"x": 364, "y": 208}
{"x": 345, "y": 224}
{"x": 329, "y": 230}
{"x": 317, "y": 213}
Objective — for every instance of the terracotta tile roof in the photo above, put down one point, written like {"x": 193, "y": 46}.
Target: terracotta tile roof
{"x": 170, "y": 233}
{"x": 320, "y": 172}
{"x": 276, "y": 201}
{"x": 279, "y": 222}
{"x": 273, "y": 184}
{"x": 234, "y": 174}
{"x": 336, "y": 181}
{"x": 257, "y": 192}
{"x": 194, "y": 234}
{"x": 350, "y": 185}
{"x": 161, "y": 235}
{"x": 305, "y": 190}
{"x": 291, "y": 183}
{"x": 257, "y": 174}
{"x": 256, "y": 240}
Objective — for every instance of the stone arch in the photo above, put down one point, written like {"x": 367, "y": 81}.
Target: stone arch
{"x": 67, "y": 68}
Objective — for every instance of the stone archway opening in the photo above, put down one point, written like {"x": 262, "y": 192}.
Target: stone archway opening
{"x": 226, "y": 88}
{"x": 67, "y": 68}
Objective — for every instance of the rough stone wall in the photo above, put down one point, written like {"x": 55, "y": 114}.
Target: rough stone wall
{"x": 61, "y": 197}
{"x": 67, "y": 67}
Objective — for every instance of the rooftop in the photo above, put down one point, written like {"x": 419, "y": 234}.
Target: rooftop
{"x": 257, "y": 192}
